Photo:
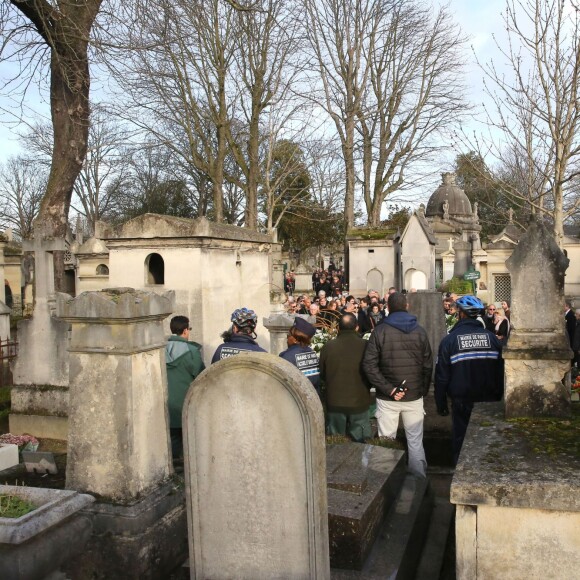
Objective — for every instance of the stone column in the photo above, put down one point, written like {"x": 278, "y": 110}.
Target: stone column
{"x": 118, "y": 443}
{"x": 278, "y": 325}
{"x": 537, "y": 357}
{"x": 119, "y": 434}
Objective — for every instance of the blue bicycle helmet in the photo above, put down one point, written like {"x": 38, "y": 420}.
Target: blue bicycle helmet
{"x": 244, "y": 318}
{"x": 471, "y": 305}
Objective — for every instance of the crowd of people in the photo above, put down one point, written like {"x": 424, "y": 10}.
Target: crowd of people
{"x": 396, "y": 360}
{"x": 496, "y": 320}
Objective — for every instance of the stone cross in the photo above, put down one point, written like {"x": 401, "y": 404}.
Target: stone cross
{"x": 43, "y": 245}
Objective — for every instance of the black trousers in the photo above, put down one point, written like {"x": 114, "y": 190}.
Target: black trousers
{"x": 460, "y": 415}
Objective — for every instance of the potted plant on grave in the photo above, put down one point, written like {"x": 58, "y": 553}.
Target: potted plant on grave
{"x": 24, "y": 442}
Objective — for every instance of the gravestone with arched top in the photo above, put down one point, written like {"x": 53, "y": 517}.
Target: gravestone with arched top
{"x": 255, "y": 456}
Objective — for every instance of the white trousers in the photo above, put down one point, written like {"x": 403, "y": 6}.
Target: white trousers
{"x": 412, "y": 413}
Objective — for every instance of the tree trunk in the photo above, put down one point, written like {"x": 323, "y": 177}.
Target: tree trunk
{"x": 66, "y": 31}
{"x": 348, "y": 151}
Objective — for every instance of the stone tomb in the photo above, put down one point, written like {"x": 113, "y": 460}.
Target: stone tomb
{"x": 212, "y": 268}
{"x": 254, "y": 449}
{"x": 363, "y": 481}
{"x": 518, "y": 506}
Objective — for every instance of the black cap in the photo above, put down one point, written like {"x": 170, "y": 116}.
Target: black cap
{"x": 304, "y": 327}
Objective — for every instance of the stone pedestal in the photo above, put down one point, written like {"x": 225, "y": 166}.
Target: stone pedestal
{"x": 537, "y": 375}
{"x": 278, "y": 325}
{"x": 516, "y": 486}
{"x": 118, "y": 432}
{"x": 118, "y": 389}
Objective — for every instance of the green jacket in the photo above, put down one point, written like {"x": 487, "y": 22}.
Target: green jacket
{"x": 183, "y": 360}
{"x": 347, "y": 390}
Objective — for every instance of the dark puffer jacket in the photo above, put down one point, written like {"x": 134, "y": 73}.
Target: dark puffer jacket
{"x": 398, "y": 350}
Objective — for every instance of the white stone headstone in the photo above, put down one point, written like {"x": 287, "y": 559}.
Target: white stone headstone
{"x": 255, "y": 472}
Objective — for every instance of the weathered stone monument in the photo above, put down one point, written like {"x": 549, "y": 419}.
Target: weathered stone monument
{"x": 516, "y": 483}
{"x": 255, "y": 472}
{"x": 118, "y": 444}
{"x": 537, "y": 357}
{"x": 40, "y": 392}
{"x": 428, "y": 309}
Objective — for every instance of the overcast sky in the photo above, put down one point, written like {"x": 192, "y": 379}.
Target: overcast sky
{"x": 478, "y": 19}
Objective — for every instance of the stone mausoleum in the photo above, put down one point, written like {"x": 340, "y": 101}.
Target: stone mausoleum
{"x": 440, "y": 241}
{"x": 213, "y": 269}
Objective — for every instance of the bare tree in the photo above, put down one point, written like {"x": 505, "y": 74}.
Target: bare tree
{"x": 342, "y": 33}
{"x": 415, "y": 98}
{"x": 266, "y": 66}
{"x": 63, "y": 28}
{"x": 103, "y": 167}
{"x": 177, "y": 82}
{"x": 536, "y": 107}
{"x": 22, "y": 186}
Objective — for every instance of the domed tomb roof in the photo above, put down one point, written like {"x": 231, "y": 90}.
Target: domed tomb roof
{"x": 457, "y": 202}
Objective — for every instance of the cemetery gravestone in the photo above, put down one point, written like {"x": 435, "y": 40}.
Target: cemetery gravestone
{"x": 255, "y": 472}
{"x": 537, "y": 356}
{"x": 40, "y": 393}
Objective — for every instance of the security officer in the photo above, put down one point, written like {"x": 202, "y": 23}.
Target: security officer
{"x": 469, "y": 369}
{"x": 299, "y": 352}
{"x": 240, "y": 337}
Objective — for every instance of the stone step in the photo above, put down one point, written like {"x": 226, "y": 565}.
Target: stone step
{"x": 397, "y": 550}
{"x": 442, "y": 519}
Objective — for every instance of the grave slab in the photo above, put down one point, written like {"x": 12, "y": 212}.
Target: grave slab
{"x": 516, "y": 485}
{"x": 363, "y": 481}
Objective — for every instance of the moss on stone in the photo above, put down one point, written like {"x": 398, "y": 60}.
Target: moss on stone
{"x": 549, "y": 435}
{"x": 370, "y": 233}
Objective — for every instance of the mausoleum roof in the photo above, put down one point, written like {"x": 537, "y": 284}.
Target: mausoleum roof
{"x": 93, "y": 246}
{"x": 450, "y": 192}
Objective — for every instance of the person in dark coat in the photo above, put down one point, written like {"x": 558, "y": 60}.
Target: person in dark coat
{"x": 323, "y": 285}
{"x": 240, "y": 337}
{"x": 399, "y": 350}
{"x": 347, "y": 390}
{"x": 184, "y": 363}
{"x": 570, "y": 321}
{"x": 469, "y": 369}
{"x": 299, "y": 352}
